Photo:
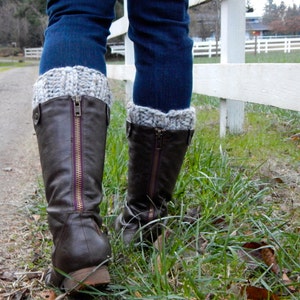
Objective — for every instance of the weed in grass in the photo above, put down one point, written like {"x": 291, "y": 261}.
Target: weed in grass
{"x": 115, "y": 172}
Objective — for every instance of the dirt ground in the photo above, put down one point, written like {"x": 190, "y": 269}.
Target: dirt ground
{"x": 19, "y": 165}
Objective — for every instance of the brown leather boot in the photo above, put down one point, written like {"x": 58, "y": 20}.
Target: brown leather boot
{"x": 155, "y": 159}
{"x": 71, "y": 134}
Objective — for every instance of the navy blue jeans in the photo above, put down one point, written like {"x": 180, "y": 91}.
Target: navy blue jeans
{"x": 77, "y": 34}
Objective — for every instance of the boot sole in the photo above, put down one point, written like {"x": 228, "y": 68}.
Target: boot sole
{"x": 93, "y": 276}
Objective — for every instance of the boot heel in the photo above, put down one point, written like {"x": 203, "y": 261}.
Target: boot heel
{"x": 92, "y": 276}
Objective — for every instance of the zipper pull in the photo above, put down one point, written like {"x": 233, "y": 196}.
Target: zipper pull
{"x": 77, "y": 106}
{"x": 159, "y": 137}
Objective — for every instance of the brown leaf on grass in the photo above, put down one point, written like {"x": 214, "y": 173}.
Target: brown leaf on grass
{"x": 278, "y": 180}
{"x": 287, "y": 281}
{"x": 255, "y": 293}
{"x": 266, "y": 254}
{"x": 138, "y": 295}
{"x": 220, "y": 222}
{"x": 263, "y": 252}
{"x": 295, "y": 137}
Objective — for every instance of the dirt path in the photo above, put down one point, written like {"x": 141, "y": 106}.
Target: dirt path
{"x": 19, "y": 163}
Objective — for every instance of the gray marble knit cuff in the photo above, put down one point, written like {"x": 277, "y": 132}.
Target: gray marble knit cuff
{"x": 71, "y": 81}
{"x": 173, "y": 120}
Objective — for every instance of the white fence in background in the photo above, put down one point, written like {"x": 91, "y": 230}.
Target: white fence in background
{"x": 118, "y": 49}
{"x": 35, "y": 53}
{"x": 209, "y": 48}
{"x": 286, "y": 45}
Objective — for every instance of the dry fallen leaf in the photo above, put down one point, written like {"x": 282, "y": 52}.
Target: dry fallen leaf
{"x": 295, "y": 137}
{"x": 263, "y": 252}
{"x": 255, "y": 293}
{"x": 138, "y": 295}
{"x": 286, "y": 280}
{"x": 266, "y": 254}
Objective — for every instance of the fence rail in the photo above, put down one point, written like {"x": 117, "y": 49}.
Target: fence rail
{"x": 33, "y": 52}
{"x": 263, "y": 83}
{"x": 209, "y": 48}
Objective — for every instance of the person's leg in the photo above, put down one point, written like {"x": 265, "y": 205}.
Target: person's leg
{"x": 76, "y": 34}
{"x": 160, "y": 120}
{"x": 163, "y": 53}
{"x": 71, "y": 114}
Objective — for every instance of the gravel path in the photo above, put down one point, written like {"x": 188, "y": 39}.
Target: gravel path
{"x": 19, "y": 163}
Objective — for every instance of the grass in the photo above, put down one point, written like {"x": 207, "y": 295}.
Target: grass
{"x": 239, "y": 191}
{"x": 6, "y": 65}
{"x": 271, "y": 57}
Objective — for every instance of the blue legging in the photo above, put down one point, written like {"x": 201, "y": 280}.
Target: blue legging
{"x": 77, "y": 34}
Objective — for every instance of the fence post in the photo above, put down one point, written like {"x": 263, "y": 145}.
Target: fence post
{"x": 287, "y": 45}
{"x": 210, "y": 45}
{"x": 232, "y": 51}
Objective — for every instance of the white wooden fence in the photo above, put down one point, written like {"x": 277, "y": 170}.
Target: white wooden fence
{"x": 209, "y": 48}
{"x": 33, "y": 52}
{"x": 233, "y": 81}
{"x": 259, "y": 45}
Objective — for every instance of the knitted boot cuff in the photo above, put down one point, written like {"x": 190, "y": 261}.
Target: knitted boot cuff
{"x": 71, "y": 81}
{"x": 173, "y": 120}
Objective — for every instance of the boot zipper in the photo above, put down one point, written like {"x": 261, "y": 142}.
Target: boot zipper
{"x": 154, "y": 173}
{"x": 77, "y": 152}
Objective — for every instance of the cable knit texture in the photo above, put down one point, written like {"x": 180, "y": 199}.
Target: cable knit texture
{"x": 183, "y": 119}
{"x": 71, "y": 81}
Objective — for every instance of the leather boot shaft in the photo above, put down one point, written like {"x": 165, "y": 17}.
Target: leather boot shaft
{"x": 155, "y": 159}
{"x": 71, "y": 133}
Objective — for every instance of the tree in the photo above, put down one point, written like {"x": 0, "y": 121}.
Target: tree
{"x": 205, "y": 20}
{"x": 23, "y": 22}
{"x": 34, "y": 11}
{"x": 282, "y": 20}
{"x": 270, "y": 12}
{"x": 12, "y": 29}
